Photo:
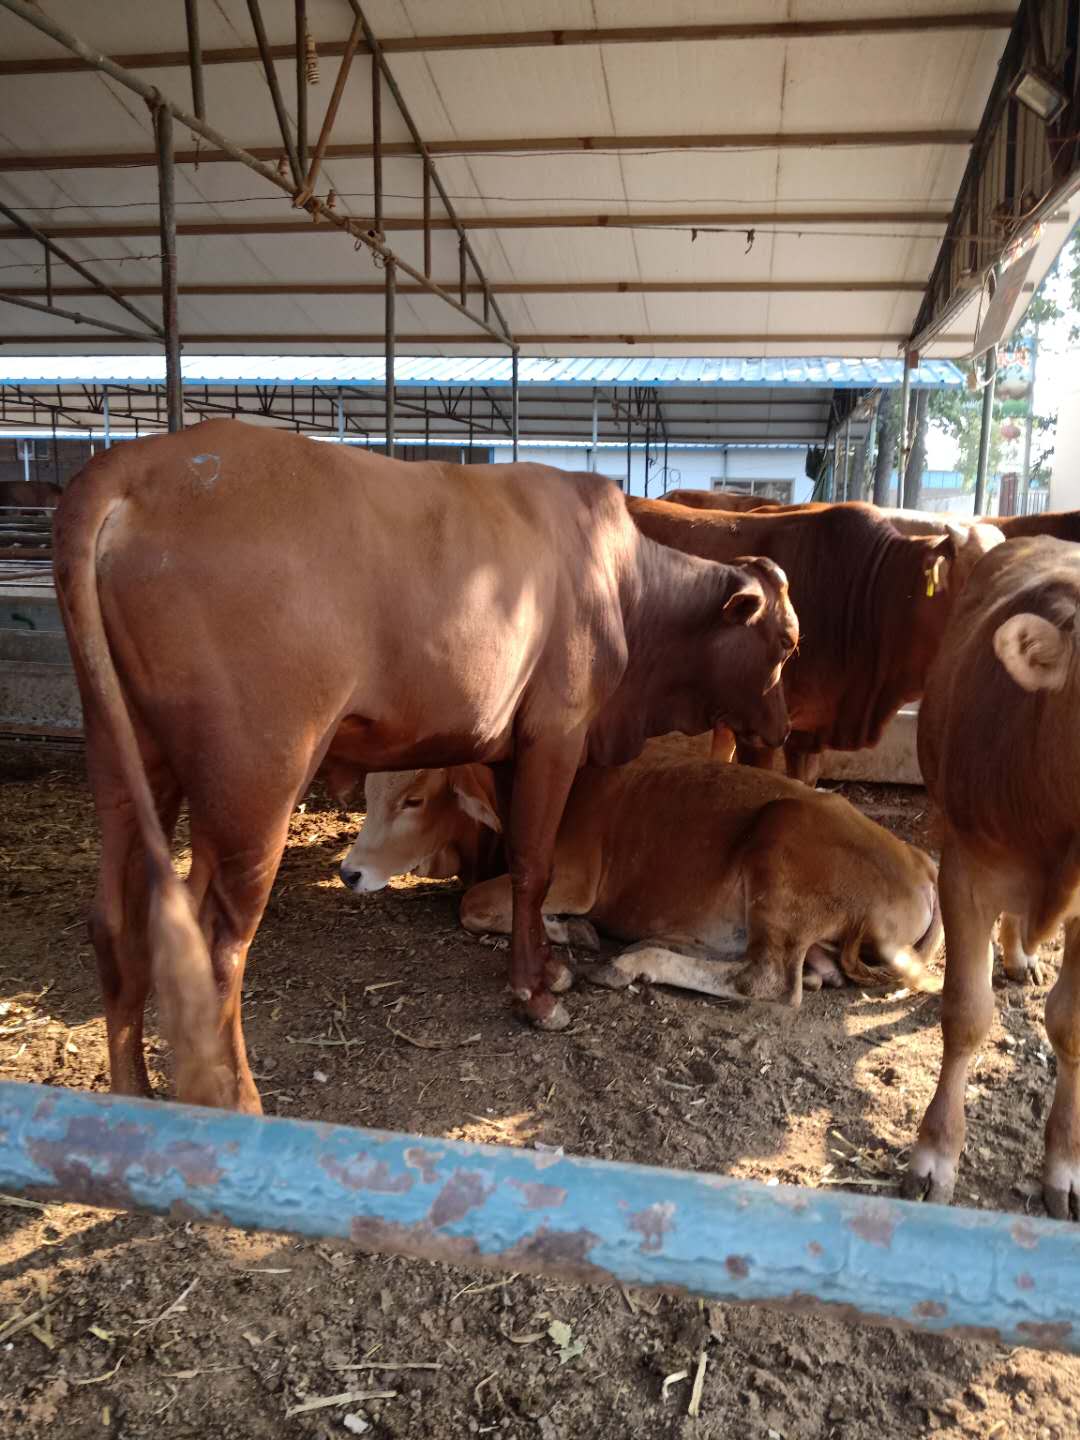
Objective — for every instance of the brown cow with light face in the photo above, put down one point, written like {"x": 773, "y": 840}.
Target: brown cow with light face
{"x": 243, "y": 604}
{"x": 872, "y": 608}
{"x": 999, "y": 745}
{"x": 782, "y": 886}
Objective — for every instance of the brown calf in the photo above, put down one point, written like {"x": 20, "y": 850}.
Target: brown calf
{"x": 780, "y": 885}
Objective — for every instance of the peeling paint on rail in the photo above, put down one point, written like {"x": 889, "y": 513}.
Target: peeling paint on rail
{"x": 964, "y": 1272}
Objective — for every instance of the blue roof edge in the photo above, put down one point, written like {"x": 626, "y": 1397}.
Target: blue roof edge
{"x": 349, "y": 372}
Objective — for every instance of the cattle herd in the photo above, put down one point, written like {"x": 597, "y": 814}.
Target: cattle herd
{"x": 498, "y": 649}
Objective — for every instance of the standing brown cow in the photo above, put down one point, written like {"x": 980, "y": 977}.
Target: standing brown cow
{"x": 731, "y": 501}
{"x": 872, "y": 608}
{"x": 1000, "y": 750}
{"x": 242, "y": 603}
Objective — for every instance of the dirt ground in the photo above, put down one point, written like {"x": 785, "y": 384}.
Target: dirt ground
{"x": 162, "y": 1328}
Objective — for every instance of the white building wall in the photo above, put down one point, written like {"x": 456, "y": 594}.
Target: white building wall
{"x": 687, "y": 469}
{"x": 1065, "y": 472}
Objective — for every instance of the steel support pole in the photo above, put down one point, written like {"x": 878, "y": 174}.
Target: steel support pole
{"x": 515, "y": 397}
{"x": 986, "y": 426}
{"x": 902, "y": 442}
{"x": 406, "y": 115}
{"x": 595, "y": 426}
{"x": 629, "y": 453}
{"x": 270, "y": 71}
{"x": 1003, "y": 1277}
{"x": 1029, "y": 425}
{"x": 195, "y": 64}
{"x": 390, "y": 278}
{"x": 301, "y": 84}
{"x": 163, "y": 131}
{"x": 339, "y": 408}
{"x": 77, "y": 317}
{"x": 105, "y": 415}
{"x": 376, "y": 142}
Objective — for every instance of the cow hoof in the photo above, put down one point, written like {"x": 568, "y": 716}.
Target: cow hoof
{"x": 611, "y": 977}
{"x": 582, "y": 935}
{"x": 929, "y": 1177}
{"x": 547, "y": 1013}
{"x": 1061, "y": 1204}
{"x": 558, "y": 976}
{"x": 1024, "y": 969}
{"x": 1061, "y": 1189}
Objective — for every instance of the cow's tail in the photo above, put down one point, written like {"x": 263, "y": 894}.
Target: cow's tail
{"x": 180, "y": 960}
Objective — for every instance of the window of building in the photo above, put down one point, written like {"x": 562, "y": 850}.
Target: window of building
{"x": 779, "y": 490}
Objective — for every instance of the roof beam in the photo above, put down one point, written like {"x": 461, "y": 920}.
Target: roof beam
{"x": 17, "y": 161}
{"x": 634, "y": 220}
{"x": 509, "y": 287}
{"x": 997, "y": 18}
{"x": 456, "y": 339}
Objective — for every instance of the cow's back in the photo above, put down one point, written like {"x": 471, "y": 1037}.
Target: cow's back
{"x": 668, "y": 831}
{"x": 380, "y": 581}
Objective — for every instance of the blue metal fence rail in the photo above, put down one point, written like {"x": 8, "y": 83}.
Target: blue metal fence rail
{"x": 947, "y": 1270}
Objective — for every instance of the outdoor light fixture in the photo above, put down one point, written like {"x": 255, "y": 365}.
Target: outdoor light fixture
{"x": 1039, "y": 91}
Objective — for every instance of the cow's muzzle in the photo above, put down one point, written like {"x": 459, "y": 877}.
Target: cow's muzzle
{"x": 362, "y": 881}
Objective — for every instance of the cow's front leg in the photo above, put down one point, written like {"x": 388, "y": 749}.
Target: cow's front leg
{"x": 967, "y": 1008}
{"x": 488, "y": 909}
{"x": 1061, "y": 1174}
{"x": 544, "y": 771}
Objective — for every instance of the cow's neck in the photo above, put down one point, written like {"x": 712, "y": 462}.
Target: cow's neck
{"x": 669, "y": 603}
{"x": 879, "y": 631}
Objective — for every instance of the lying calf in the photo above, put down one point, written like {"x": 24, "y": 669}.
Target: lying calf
{"x": 1000, "y": 751}
{"x": 764, "y": 874}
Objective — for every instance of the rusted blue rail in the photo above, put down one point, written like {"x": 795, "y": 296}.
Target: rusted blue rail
{"x": 963, "y": 1271}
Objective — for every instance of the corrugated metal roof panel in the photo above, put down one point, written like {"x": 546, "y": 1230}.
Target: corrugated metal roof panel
{"x": 303, "y": 370}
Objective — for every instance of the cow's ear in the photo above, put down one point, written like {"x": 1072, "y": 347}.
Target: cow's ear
{"x": 954, "y": 557}
{"x": 1034, "y": 652}
{"x": 474, "y": 787}
{"x": 744, "y": 605}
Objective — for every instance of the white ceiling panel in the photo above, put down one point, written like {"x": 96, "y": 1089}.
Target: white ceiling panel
{"x": 851, "y": 84}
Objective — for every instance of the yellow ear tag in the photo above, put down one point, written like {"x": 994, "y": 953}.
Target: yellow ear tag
{"x": 933, "y": 577}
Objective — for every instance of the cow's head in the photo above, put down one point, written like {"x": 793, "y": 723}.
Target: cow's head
{"x": 745, "y": 656}
{"x": 945, "y": 566}
{"x": 414, "y": 823}
{"x": 914, "y": 603}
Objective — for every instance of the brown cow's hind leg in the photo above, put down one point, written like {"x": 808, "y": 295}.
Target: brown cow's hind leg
{"x": 118, "y": 921}
{"x": 1061, "y": 1175}
{"x": 967, "y": 1009}
{"x": 237, "y": 843}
